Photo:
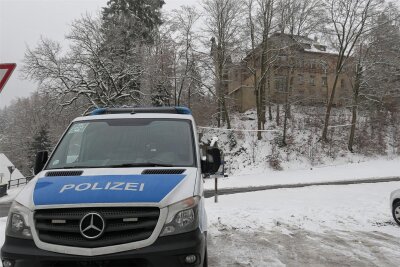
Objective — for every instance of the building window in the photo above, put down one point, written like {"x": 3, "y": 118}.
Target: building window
{"x": 312, "y": 80}
{"x": 282, "y": 58}
{"x": 342, "y": 84}
{"x": 313, "y": 65}
{"x": 280, "y": 83}
{"x": 300, "y": 63}
{"x": 324, "y": 81}
{"x": 300, "y": 78}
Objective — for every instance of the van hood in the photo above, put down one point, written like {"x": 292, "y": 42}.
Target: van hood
{"x": 96, "y": 187}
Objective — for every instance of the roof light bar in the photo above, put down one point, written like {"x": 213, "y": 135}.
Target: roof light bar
{"x": 165, "y": 110}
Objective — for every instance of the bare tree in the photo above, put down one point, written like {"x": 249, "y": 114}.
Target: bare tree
{"x": 377, "y": 67}
{"x": 89, "y": 69}
{"x": 223, "y": 18}
{"x": 300, "y": 17}
{"x": 24, "y": 119}
{"x": 184, "y": 22}
{"x": 348, "y": 20}
{"x": 252, "y": 60}
{"x": 267, "y": 9}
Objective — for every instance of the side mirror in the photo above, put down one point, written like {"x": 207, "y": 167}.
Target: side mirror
{"x": 212, "y": 161}
{"x": 41, "y": 159}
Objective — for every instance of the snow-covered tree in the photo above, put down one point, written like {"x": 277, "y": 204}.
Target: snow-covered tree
{"x": 223, "y": 20}
{"x": 40, "y": 142}
{"x": 348, "y": 21}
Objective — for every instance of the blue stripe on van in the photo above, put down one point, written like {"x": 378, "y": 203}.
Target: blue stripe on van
{"x": 104, "y": 189}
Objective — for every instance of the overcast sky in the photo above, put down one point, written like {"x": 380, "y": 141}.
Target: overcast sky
{"x": 22, "y": 22}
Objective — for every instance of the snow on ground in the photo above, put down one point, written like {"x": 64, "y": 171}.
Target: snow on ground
{"x": 3, "y": 222}
{"x": 379, "y": 168}
{"x": 11, "y": 194}
{"x": 315, "y": 226}
{"x": 245, "y": 154}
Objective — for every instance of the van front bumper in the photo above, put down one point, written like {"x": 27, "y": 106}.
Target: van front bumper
{"x": 166, "y": 251}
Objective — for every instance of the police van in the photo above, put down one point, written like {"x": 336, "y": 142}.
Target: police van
{"x": 123, "y": 187}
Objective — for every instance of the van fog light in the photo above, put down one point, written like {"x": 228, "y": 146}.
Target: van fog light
{"x": 7, "y": 263}
{"x": 27, "y": 233}
{"x": 190, "y": 259}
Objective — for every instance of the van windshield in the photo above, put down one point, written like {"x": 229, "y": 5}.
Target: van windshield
{"x": 119, "y": 143}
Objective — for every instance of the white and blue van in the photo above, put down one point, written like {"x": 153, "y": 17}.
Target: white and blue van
{"x": 123, "y": 187}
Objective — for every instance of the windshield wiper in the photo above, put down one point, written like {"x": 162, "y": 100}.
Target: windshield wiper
{"x": 133, "y": 165}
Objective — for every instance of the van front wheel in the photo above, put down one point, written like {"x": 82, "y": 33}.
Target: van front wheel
{"x": 205, "y": 263}
{"x": 396, "y": 212}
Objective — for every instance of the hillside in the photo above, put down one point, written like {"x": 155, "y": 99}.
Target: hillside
{"x": 376, "y": 137}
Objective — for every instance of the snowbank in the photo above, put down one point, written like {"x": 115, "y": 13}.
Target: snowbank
{"x": 245, "y": 154}
{"x": 317, "y": 226}
{"x": 318, "y": 209}
{"x": 3, "y": 222}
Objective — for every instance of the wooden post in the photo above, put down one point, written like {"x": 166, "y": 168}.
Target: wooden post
{"x": 216, "y": 190}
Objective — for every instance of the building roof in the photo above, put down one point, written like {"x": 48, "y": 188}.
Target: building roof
{"x": 304, "y": 43}
{"x": 4, "y": 172}
{"x": 313, "y": 45}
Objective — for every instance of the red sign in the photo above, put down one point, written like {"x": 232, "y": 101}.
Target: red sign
{"x": 5, "y": 73}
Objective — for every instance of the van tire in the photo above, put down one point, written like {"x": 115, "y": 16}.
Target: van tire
{"x": 205, "y": 262}
{"x": 396, "y": 211}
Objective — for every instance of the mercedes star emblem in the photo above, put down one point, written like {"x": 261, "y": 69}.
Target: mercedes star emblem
{"x": 92, "y": 226}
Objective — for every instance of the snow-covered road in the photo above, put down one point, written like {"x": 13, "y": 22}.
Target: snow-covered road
{"x": 317, "y": 226}
{"x": 297, "y": 247}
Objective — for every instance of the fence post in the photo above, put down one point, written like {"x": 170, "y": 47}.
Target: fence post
{"x": 216, "y": 190}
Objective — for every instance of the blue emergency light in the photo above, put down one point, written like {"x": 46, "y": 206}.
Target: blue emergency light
{"x": 167, "y": 110}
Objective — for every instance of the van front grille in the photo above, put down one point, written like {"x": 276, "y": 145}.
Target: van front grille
{"x": 163, "y": 171}
{"x": 64, "y": 173}
{"x": 122, "y": 225}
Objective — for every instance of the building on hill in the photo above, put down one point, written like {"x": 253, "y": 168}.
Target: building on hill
{"x": 299, "y": 67}
{"x": 5, "y": 173}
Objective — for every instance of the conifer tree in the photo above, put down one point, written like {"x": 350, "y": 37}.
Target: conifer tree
{"x": 41, "y": 142}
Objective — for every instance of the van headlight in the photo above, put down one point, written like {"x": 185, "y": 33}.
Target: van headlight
{"x": 18, "y": 222}
{"x": 182, "y": 217}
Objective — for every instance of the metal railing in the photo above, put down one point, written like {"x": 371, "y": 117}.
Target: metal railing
{"x": 18, "y": 182}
